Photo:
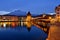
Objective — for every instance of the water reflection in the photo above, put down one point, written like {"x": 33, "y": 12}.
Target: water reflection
{"x": 22, "y": 33}
{"x": 22, "y": 30}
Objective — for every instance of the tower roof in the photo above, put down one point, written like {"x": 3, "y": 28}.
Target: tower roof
{"x": 29, "y": 13}
{"x": 57, "y": 8}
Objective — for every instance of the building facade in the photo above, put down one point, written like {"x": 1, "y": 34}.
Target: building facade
{"x": 57, "y": 11}
{"x": 8, "y": 20}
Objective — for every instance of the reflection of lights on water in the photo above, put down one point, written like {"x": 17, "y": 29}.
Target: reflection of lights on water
{"x": 21, "y": 23}
{"x": 4, "y": 25}
{"x": 13, "y": 24}
{"x": 28, "y": 28}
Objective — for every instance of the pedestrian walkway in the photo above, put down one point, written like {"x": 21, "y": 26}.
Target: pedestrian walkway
{"x": 54, "y": 32}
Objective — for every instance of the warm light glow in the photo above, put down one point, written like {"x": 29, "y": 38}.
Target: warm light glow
{"x": 28, "y": 18}
{"x": 28, "y": 24}
{"x": 4, "y": 25}
{"x": 28, "y": 21}
{"x": 49, "y": 17}
{"x": 44, "y": 15}
{"x": 13, "y": 24}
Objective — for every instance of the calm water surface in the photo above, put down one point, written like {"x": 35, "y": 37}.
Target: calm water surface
{"x": 22, "y": 33}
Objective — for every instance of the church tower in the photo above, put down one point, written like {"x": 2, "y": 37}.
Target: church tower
{"x": 57, "y": 11}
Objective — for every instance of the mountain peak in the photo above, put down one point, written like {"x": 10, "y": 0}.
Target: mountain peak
{"x": 17, "y": 13}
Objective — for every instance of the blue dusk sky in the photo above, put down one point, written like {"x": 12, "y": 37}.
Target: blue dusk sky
{"x": 35, "y": 6}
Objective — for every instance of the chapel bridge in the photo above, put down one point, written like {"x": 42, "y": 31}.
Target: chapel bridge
{"x": 42, "y": 24}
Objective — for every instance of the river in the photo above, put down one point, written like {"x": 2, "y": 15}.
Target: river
{"x": 22, "y": 33}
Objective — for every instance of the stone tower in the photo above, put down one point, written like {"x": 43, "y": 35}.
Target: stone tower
{"x": 57, "y": 11}
{"x": 28, "y": 20}
{"x": 54, "y": 33}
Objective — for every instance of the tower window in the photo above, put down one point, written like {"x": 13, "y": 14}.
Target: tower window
{"x": 57, "y": 9}
{"x": 57, "y": 13}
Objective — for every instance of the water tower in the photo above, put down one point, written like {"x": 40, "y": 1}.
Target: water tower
{"x": 28, "y": 20}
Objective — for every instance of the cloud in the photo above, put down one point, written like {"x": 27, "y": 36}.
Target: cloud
{"x": 3, "y": 12}
{"x": 51, "y": 13}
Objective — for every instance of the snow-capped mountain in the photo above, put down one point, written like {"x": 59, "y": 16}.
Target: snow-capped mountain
{"x": 17, "y": 13}
{"x": 20, "y": 13}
